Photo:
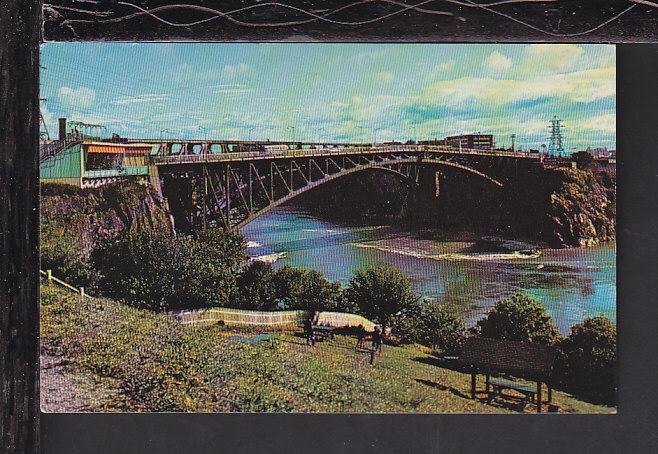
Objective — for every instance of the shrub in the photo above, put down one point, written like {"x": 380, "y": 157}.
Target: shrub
{"x": 164, "y": 272}
{"x": 440, "y": 329}
{"x": 256, "y": 287}
{"x": 518, "y": 318}
{"x": 588, "y": 364}
{"x": 429, "y": 323}
{"x": 307, "y": 290}
{"x": 62, "y": 251}
{"x": 381, "y": 293}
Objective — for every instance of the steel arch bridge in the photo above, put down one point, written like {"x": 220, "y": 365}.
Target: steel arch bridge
{"x": 229, "y": 190}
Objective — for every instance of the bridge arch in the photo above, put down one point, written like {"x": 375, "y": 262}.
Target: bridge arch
{"x": 379, "y": 165}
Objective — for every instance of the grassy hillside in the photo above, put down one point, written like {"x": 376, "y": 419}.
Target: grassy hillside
{"x": 157, "y": 364}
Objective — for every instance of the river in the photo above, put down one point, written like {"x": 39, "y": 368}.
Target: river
{"x": 572, "y": 283}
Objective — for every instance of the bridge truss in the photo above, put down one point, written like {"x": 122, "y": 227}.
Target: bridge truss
{"x": 229, "y": 190}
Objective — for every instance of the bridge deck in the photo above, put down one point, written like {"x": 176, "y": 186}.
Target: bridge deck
{"x": 323, "y": 152}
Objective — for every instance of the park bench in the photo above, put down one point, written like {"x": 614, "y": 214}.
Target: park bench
{"x": 323, "y": 332}
{"x": 494, "y": 357}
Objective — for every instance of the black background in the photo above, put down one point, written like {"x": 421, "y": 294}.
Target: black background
{"x": 526, "y": 20}
{"x": 633, "y": 429}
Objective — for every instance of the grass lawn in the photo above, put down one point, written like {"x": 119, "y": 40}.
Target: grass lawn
{"x": 157, "y": 364}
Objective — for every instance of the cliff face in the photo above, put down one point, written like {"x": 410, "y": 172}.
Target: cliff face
{"x": 74, "y": 221}
{"x": 88, "y": 216}
{"x": 582, "y": 209}
{"x": 561, "y": 208}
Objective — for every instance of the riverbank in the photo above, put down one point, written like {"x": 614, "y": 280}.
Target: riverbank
{"x": 458, "y": 268}
{"x": 158, "y": 364}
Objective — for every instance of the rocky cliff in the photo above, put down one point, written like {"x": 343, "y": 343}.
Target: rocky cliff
{"x": 560, "y": 207}
{"x": 74, "y": 221}
{"x": 581, "y": 209}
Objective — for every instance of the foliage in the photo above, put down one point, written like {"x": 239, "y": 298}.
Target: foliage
{"x": 161, "y": 365}
{"x": 431, "y": 324}
{"x": 518, "y": 318}
{"x": 61, "y": 252}
{"x": 75, "y": 221}
{"x": 588, "y": 364}
{"x": 307, "y": 290}
{"x": 583, "y": 159}
{"x": 381, "y": 293}
{"x": 256, "y": 287}
{"x": 166, "y": 272}
{"x": 441, "y": 329}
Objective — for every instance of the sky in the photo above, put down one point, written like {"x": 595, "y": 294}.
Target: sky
{"x": 334, "y": 92}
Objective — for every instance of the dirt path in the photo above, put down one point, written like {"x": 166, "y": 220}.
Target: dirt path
{"x": 64, "y": 390}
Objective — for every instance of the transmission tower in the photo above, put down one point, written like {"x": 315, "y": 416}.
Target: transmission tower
{"x": 555, "y": 139}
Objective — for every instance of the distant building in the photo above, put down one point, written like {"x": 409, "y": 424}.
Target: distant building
{"x": 601, "y": 153}
{"x": 471, "y": 141}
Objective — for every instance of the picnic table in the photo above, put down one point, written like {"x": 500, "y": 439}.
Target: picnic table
{"x": 494, "y": 357}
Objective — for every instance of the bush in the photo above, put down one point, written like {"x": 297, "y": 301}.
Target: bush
{"x": 440, "y": 329}
{"x": 588, "y": 363}
{"x": 62, "y": 251}
{"x": 518, "y": 318}
{"x": 164, "y": 272}
{"x": 256, "y": 287}
{"x": 307, "y": 290}
{"x": 382, "y": 293}
{"x": 429, "y": 323}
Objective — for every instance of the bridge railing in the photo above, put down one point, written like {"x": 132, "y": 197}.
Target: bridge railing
{"x": 333, "y": 151}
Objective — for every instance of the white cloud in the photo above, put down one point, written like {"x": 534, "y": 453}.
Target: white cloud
{"x": 442, "y": 68}
{"x": 145, "y": 98}
{"x": 241, "y": 69}
{"x": 81, "y": 97}
{"x": 497, "y": 62}
{"x": 385, "y": 76}
{"x": 602, "y": 123}
{"x": 550, "y": 57}
{"x": 580, "y": 86}
{"x": 233, "y": 91}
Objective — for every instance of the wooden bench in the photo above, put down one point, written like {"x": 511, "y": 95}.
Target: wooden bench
{"x": 324, "y": 332}
{"x": 525, "y": 360}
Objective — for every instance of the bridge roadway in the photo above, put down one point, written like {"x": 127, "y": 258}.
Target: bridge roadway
{"x": 229, "y": 190}
{"x": 185, "y": 158}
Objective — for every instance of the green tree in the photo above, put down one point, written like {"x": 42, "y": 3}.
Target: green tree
{"x": 440, "y": 329}
{"x": 518, "y": 318}
{"x": 307, "y": 290}
{"x": 256, "y": 287}
{"x": 588, "y": 364}
{"x": 166, "y": 272}
{"x": 381, "y": 293}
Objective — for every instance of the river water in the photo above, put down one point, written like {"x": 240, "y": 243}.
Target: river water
{"x": 572, "y": 283}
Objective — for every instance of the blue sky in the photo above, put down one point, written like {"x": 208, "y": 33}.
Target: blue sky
{"x": 334, "y": 92}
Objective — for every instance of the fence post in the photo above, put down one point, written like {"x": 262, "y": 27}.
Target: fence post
{"x": 82, "y": 292}
{"x": 49, "y": 275}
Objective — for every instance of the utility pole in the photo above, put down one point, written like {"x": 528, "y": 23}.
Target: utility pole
{"x": 44, "y": 135}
